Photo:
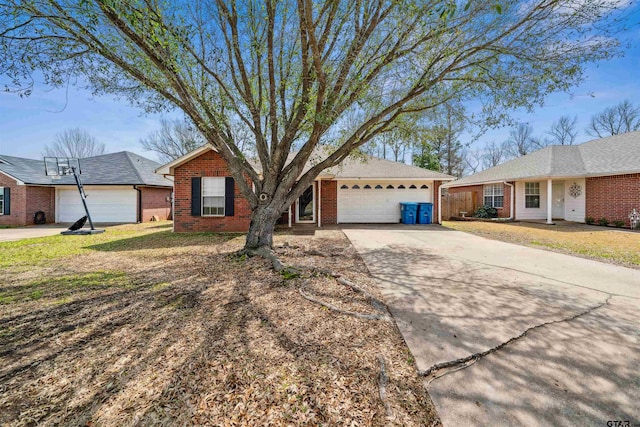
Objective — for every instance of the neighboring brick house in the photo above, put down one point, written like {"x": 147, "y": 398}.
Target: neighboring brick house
{"x": 120, "y": 187}
{"x": 597, "y": 179}
{"x": 208, "y": 199}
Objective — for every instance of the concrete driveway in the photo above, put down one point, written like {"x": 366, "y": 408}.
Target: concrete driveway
{"x": 19, "y": 233}
{"x": 510, "y": 335}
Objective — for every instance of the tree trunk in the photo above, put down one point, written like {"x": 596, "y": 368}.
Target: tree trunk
{"x": 263, "y": 221}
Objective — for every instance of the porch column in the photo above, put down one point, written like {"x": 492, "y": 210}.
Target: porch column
{"x": 549, "y": 201}
{"x": 289, "y": 216}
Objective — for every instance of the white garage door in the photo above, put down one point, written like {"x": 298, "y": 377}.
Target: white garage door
{"x": 105, "y": 205}
{"x": 378, "y": 202}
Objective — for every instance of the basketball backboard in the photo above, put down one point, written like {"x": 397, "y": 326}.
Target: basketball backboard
{"x": 61, "y": 166}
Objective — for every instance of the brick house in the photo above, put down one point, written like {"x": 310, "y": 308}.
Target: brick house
{"x": 120, "y": 187}
{"x": 206, "y": 197}
{"x": 597, "y": 179}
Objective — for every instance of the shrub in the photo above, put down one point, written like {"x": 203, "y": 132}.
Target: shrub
{"x": 486, "y": 211}
{"x": 589, "y": 220}
{"x": 603, "y": 221}
{"x": 618, "y": 223}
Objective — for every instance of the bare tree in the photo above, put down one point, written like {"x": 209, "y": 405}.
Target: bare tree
{"x": 74, "y": 143}
{"x": 174, "y": 139}
{"x": 621, "y": 118}
{"x": 563, "y": 132}
{"x": 493, "y": 155}
{"x": 521, "y": 141}
{"x": 292, "y": 71}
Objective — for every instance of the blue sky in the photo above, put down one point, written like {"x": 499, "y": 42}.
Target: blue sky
{"x": 27, "y": 124}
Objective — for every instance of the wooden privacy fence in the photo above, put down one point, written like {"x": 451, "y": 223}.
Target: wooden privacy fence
{"x": 454, "y": 203}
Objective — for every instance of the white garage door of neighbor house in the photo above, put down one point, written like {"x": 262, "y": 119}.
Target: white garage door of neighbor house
{"x": 105, "y": 205}
{"x": 378, "y": 202}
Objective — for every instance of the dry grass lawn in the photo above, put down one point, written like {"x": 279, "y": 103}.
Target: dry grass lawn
{"x": 140, "y": 326}
{"x": 611, "y": 245}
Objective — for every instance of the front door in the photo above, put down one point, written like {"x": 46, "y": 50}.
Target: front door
{"x": 306, "y": 206}
{"x": 558, "y": 200}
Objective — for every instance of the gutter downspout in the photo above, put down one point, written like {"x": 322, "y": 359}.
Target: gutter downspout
{"x": 511, "y": 202}
{"x": 135, "y": 187}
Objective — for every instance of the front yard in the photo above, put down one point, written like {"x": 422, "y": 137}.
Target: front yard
{"x": 142, "y": 326}
{"x": 601, "y": 243}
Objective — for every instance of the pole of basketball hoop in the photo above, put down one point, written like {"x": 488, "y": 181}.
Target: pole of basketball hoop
{"x": 83, "y": 196}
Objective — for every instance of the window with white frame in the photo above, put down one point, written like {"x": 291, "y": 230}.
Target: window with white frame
{"x": 212, "y": 196}
{"x": 1, "y": 200}
{"x": 531, "y": 194}
{"x": 494, "y": 195}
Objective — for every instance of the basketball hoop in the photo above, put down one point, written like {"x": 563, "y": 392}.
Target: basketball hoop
{"x": 57, "y": 167}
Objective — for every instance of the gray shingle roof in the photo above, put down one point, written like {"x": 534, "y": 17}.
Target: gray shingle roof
{"x": 614, "y": 155}
{"x": 373, "y": 167}
{"x": 123, "y": 168}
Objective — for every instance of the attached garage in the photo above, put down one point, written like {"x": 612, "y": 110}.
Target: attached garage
{"x": 364, "y": 201}
{"x": 117, "y": 204}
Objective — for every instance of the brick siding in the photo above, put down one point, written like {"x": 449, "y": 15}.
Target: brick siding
{"x": 26, "y": 201}
{"x": 612, "y": 197}
{"x": 329, "y": 196}
{"x": 209, "y": 164}
{"x": 40, "y": 199}
{"x": 436, "y": 201}
{"x": 503, "y": 212}
{"x": 18, "y": 215}
{"x": 155, "y": 201}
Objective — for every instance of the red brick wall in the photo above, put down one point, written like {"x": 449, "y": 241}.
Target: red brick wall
{"x": 39, "y": 199}
{"x": 503, "y": 212}
{"x": 207, "y": 164}
{"x": 329, "y": 196}
{"x": 18, "y": 202}
{"x": 612, "y": 197}
{"x": 155, "y": 201}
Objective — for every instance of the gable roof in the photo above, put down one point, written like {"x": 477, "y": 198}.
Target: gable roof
{"x": 122, "y": 168}
{"x": 368, "y": 167}
{"x": 614, "y": 155}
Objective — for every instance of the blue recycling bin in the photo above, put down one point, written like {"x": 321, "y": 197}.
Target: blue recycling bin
{"x": 425, "y": 213}
{"x": 408, "y": 212}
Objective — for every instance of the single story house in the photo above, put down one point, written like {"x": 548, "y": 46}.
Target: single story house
{"x": 206, "y": 197}
{"x": 597, "y": 179}
{"x": 120, "y": 187}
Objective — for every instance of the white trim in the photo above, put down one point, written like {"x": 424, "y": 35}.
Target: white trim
{"x": 202, "y": 196}
{"x": 549, "y": 201}
{"x": 3, "y": 201}
{"x": 511, "y": 201}
{"x": 313, "y": 200}
{"x": 344, "y": 178}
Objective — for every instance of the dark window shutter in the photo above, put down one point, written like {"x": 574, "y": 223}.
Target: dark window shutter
{"x": 196, "y": 198}
{"x": 229, "y": 190}
{"x": 7, "y": 201}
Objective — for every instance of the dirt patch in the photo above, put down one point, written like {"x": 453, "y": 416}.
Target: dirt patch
{"x": 182, "y": 332}
{"x": 605, "y": 244}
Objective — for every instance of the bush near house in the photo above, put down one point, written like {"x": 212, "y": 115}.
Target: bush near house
{"x": 486, "y": 211}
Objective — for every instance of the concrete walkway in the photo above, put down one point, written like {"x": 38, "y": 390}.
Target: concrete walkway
{"x": 19, "y": 233}
{"x": 556, "y": 338}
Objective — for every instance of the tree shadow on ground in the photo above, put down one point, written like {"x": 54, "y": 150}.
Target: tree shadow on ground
{"x": 163, "y": 239}
{"x": 582, "y": 372}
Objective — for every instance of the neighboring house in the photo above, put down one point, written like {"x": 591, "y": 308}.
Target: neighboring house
{"x": 207, "y": 198}
{"x": 597, "y": 179}
{"x": 120, "y": 187}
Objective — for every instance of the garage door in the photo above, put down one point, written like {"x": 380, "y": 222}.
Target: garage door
{"x": 105, "y": 205}
{"x": 378, "y": 202}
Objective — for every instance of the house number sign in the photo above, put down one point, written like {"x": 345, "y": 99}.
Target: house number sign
{"x": 575, "y": 190}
